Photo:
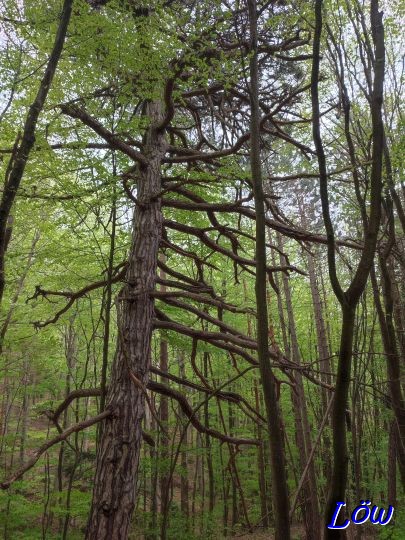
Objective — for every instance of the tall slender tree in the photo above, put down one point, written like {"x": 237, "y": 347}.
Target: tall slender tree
{"x": 350, "y": 297}
{"x": 277, "y": 452}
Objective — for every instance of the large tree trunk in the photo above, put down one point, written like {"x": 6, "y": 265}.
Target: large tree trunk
{"x": 119, "y": 448}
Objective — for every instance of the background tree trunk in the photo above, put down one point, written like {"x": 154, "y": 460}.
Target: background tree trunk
{"x": 277, "y": 454}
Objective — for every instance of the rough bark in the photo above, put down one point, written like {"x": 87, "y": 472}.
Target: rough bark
{"x": 119, "y": 448}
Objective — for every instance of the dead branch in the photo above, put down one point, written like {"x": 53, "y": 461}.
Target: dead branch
{"x": 51, "y": 442}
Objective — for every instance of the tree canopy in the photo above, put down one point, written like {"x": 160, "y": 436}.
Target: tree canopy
{"x": 202, "y": 316}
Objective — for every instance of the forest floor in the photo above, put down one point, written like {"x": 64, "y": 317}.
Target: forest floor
{"x": 298, "y": 533}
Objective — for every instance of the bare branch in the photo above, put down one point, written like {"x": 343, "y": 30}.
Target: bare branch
{"x": 118, "y": 144}
{"x": 51, "y": 442}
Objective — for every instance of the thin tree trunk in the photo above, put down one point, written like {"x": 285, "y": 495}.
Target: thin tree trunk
{"x": 107, "y": 305}
{"x": 398, "y": 313}
{"x": 236, "y": 483}
{"x": 393, "y": 360}
{"x": 321, "y": 331}
{"x": 71, "y": 479}
{"x": 392, "y": 465}
{"x": 70, "y": 354}
{"x": 195, "y": 479}
{"x": 25, "y": 411}
{"x": 20, "y": 287}
{"x": 277, "y": 453}
{"x": 164, "y": 480}
{"x": 348, "y": 299}
{"x": 211, "y": 486}
{"x": 261, "y": 467}
{"x": 19, "y": 158}
{"x": 323, "y": 354}
{"x": 235, "y": 511}
{"x": 153, "y": 486}
{"x": 302, "y": 427}
{"x": 184, "y": 483}
{"x": 338, "y": 481}
{"x": 164, "y": 450}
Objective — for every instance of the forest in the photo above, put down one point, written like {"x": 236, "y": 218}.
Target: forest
{"x": 202, "y": 263}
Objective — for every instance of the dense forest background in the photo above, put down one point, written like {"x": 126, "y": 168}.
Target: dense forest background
{"x": 202, "y": 326}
